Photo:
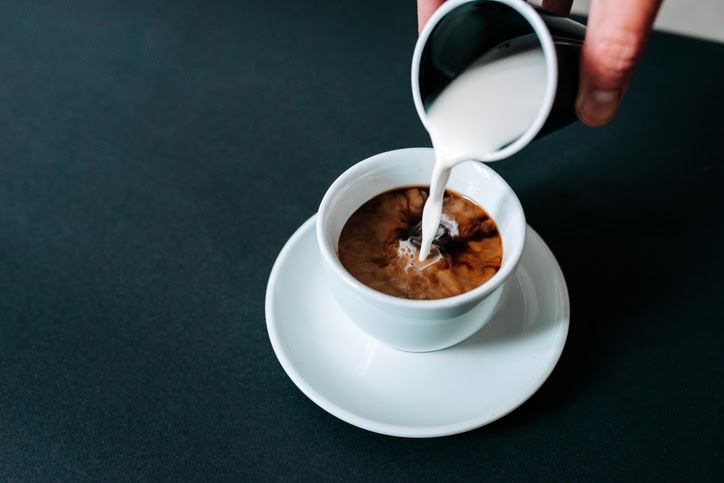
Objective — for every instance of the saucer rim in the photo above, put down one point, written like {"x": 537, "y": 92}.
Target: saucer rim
{"x": 409, "y": 431}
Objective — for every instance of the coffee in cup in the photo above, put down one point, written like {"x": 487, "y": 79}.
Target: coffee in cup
{"x": 380, "y": 243}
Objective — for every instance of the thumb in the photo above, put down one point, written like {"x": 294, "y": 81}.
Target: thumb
{"x": 425, "y": 9}
{"x": 615, "y": 38}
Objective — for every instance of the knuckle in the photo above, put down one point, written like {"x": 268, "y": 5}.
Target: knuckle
{"x": 616, "y": 54}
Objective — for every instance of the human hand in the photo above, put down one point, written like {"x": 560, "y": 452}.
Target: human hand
{"x": 616, "y": 34}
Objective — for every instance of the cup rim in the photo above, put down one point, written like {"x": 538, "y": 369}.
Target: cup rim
{"x": 330, "y": 257}
{"x": 546, "y": 41}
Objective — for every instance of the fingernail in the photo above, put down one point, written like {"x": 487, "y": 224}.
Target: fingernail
{"x": 598, "y": 107}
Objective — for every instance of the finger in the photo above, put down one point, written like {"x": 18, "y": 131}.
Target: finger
{"x": 615, "y": 38}
{"x": 557, "y": 7}
{"x": 425, "y": 9}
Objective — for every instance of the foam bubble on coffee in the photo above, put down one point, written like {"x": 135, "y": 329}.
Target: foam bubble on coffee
{"x": 490, "y": 105}
{"x": 409, "y": 248}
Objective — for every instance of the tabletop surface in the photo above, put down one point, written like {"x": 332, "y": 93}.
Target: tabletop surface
{"x": 154, "y": 159}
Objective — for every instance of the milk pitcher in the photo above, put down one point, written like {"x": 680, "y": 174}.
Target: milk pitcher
{"x": 461, "y": 32}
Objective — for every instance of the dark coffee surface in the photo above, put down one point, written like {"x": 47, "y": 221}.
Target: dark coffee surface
{"x": 467, "y": 253}
{"x": 155, "y": 157}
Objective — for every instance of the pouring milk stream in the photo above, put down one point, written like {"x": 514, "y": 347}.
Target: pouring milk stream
{"x": 490, "y": 105}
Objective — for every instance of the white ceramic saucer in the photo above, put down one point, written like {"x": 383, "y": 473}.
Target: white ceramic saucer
{"x": 374, "y": 387}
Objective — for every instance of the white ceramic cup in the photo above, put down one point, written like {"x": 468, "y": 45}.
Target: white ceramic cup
{"x": 417, "y": 325}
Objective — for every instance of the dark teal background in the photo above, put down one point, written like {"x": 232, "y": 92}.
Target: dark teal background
{"x": 154, "y": 159}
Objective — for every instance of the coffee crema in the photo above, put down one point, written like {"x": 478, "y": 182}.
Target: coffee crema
{"x": 379, "y": 246}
